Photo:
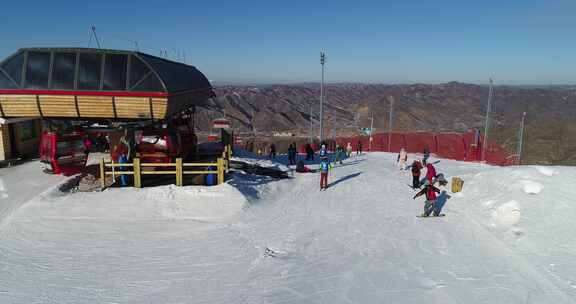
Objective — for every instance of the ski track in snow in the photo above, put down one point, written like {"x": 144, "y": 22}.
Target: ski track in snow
{"x": 505, "y": 239}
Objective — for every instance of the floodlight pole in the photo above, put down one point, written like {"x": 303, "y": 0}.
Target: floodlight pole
{"x": 322, "y": 61}
{"x": 371, "y": 130}
{"x": 390, "y": 125}
{"x": 521, "y": 139}
{"x": 311, "y": 131}
{"x": 96, "y": 37}
{"x": 487, "y": 122}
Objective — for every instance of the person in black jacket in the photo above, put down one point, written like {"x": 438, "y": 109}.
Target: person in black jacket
{"x": 272, "y": 151}
{"x": 292, "y": 154}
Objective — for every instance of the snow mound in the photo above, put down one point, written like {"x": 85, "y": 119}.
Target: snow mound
{"x": 547, "y": 171}
{"x": 506, "y": 215}
{"x": 530, "y": 187}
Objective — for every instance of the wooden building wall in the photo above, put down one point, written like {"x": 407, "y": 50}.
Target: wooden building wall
{"x": 82, "y": 106}
{"x": 5, "y": 148}
{"x": 16, "y": 140}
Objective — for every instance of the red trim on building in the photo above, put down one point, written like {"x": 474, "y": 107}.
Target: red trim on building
{"x": 84, "y": 93}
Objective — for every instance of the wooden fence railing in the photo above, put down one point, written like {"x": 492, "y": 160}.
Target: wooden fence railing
{"x": 179, "y": 169}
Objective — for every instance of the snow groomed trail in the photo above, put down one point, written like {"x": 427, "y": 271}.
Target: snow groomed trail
{"x": 254, "y": 240}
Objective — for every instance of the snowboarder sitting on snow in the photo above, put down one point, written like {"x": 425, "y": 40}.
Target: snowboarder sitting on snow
{"x": 301, "y": 168}
{"x": 430, "y": 192}
{"x": 325, "y": 167}
{"x": 439, "y": 178}
{"x": 416, "y": 167}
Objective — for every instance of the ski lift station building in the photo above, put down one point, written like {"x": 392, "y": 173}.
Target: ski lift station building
{"x": 89, "y": 84}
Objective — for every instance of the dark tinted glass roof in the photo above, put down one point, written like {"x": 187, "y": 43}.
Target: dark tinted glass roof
{"x": 96, "y": 70}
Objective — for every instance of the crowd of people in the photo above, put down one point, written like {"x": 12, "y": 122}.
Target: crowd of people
{"x": 427, "y": 186}
{"x": 326, "y": 159}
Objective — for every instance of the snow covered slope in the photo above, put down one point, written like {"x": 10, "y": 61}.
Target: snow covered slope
{"x": 507, "y": 238}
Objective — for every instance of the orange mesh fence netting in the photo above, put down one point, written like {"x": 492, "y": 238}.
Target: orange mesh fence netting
{"x": 457, "y": 146}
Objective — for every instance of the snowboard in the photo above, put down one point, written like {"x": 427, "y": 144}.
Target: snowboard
{"x": 441, "y": 215}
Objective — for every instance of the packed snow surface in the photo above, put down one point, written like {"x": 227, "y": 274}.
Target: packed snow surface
{"x": 508, "y": 237}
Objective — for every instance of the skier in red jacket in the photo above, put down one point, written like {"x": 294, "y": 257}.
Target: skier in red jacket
{"x": 430, "y": 192}
{"x": 430, "y": 173}
{"x": 416, "y": 167}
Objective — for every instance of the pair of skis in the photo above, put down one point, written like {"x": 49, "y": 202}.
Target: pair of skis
{"x": 424, "y": 216}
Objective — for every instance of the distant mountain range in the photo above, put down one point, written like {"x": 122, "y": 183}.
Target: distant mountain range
{"x": 551, "y": 112}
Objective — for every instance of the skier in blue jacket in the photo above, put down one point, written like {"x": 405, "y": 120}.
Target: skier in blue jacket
{"x": 323, "y": 152}
{"x": 325, "y": 167}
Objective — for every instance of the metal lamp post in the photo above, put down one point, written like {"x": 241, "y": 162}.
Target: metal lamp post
{"x": 521, "y": 139}
{"x": 487, "y": 122}
{"x": 390, "y": 124}
{"x": 322, "y": 61}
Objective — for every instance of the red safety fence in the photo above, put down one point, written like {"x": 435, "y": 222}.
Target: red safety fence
{"x": 457, "y": 146}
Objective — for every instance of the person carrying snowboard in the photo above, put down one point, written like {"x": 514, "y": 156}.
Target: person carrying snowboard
{"x": 430, "y": 203}
{"x": 402, "y": 158}
{"x": 325, "y": 167}
{"x": 416, "y": 167}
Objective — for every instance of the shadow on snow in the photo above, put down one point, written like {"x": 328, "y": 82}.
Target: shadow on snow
{"x": 345, "y": 178}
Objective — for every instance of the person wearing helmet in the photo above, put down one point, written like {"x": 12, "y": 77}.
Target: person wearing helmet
{"x": 325, "y": 167}
{"x": 323, "y": 152}
{"x": 430, "y": 191}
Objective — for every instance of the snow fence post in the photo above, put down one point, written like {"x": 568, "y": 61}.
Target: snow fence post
{"x": 220, "y": 171}
{"x": 137, "y": 176}
{"x": 179, "y": 172}
{"x": 102, "y": 175}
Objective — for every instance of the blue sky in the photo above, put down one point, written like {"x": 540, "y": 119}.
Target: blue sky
{"x": 513, "y": 41}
